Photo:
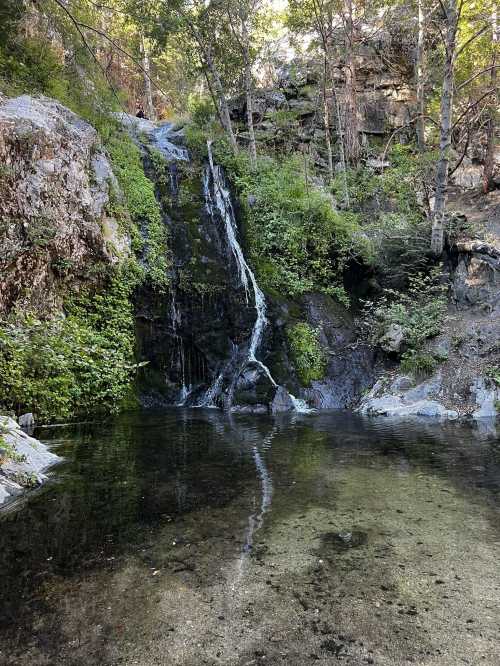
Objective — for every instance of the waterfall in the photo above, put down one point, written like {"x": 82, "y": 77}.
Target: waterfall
{"x": 162, "y": 141}
{"x": 221, "y": 202}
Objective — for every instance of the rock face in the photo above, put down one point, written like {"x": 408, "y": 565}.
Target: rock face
{"x": 55, "y": 187}
{"x": 291, "y": 114}
{"x": 23, "y": 460}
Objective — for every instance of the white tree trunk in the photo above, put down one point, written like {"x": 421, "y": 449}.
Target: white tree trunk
{"x": 248, "y": 88}
{"x": 351, "y": 125}
{"x": 437, "y": 237}
{"x": 489, "y": 161}
{"x": 419, "y": 75}
{"x": 148, "y": 92}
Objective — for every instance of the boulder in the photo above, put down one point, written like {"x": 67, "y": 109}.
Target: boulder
{"x": 23, "y": 460}
{"x": 393, "y": 339}
{"x": 54, "y": 192}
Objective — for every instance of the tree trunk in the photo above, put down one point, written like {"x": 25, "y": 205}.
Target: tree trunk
{"x": 248, "y": 88}
{"x": 148, "y": 92}
{"x": 223, "y": 106}
{"x": 351, "y": 125}
{"x": 326, "y": 119}
{"x": 489, "y": 162}
{"x": 437, "y": 237}
{"x": 419, "y": 75}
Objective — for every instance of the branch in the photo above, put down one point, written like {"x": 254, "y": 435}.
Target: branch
{"x": 471, "y": 39}
{"x": 475, "y": 76}
{"x": 89, "y": 49}
{"x": 471, "y": 106}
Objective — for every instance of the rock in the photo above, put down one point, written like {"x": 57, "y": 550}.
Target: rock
{"x": 402, "y": 383}
{"x": 282, "y": 401}
{"x": 25, "y": 462}
{"x": 393, "y": 339}
{"x": 53, "y": 203}
{"x": 26, "y": 421}
{"x": 487, "y": 398}
{"x": 391, "y": 405}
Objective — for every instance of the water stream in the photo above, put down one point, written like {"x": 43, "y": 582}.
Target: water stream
{"x": 221, "y": 203}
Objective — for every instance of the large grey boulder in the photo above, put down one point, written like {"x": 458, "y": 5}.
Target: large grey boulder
{"x": 23, "y": 460}
{"x": 55, "y": 191}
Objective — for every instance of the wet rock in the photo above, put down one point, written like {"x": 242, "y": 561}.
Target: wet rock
{"x": 487, "y": 397}
{"x": 282, "y": 401}
{"x": 23, "y": 460}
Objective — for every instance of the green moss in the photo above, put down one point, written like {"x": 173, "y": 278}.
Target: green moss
{"x": 308, "y": 357}
{"x": 142, "y": 207}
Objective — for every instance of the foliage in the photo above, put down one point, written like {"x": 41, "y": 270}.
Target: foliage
{"x": 391, "y": 207}
{"x": 308, "y": 357}
{"x": 8, "y": 452}
{"x": 419, "y": 312}
{"x": 298, "y": 242}
{"x": 494, "y": 373}
{"x": 418, "y": 363}
{"x": 78, "y": 363}
{"x": 142, "y": 206}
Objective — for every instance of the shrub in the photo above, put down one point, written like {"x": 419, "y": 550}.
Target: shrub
{"x": 418, "y": 363}
{"x": 308, "y": 357}
{"x": 419, "y": 312}
{"x": 78, "y": 363}
{"x": 298, "y": 242}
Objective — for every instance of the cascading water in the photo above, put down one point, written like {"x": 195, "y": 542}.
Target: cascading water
{"x": 221, "y": 202}
{"x": 162, "y": 140}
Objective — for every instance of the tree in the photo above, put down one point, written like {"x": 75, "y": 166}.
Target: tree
{"x": 451, "y": 16}
{"x": 493, "y": 108}
{"x": 241, "y": 15}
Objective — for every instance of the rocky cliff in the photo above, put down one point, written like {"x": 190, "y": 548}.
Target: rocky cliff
{"x": 56, "y": 185}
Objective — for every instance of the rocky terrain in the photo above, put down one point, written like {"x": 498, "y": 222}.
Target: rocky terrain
{"x": 56, "y": 185}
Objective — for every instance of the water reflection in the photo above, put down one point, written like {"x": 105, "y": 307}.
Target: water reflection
{"x": 123, "y": 482}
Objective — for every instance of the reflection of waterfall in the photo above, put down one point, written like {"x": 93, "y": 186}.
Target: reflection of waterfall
{"x": 221, "y": 202}
{"x": 256, "y": 519}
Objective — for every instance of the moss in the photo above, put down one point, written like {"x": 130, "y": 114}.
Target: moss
{"x": 142, "y": 207}
{"x": 308, "y": 357}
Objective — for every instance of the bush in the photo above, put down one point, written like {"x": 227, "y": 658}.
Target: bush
{"x": 419, "y": 312}
{"x": 298, "y": 242}
{"x": 308, "y": 357}
{"x": 79, "y": 363}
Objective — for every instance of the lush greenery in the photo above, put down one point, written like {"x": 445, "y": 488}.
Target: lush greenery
{"x": 418, "y": 312}
{"x": 143, "y": 208}
{"x": 298, "y": 241}
{"x": 307, "y": 355}
{"x": 78, "y": 363}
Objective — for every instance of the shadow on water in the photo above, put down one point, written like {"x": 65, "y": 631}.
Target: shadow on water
{"x": 121, "y": 481}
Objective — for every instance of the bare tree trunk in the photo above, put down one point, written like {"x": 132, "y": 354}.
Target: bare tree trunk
{"x": 419, "y": 75}
{"x": 223, "y": 106}
{"x": 148, "y": 92}
{"x": 326, "y": 119}
{"x": 351, "y": 125}
{"x": 489, "y": 161}
{"x": 248, "y": 87}
{"x": 437, "y": 237}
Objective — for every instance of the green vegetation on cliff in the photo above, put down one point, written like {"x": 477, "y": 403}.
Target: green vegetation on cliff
{"x": 78, "y": 363}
